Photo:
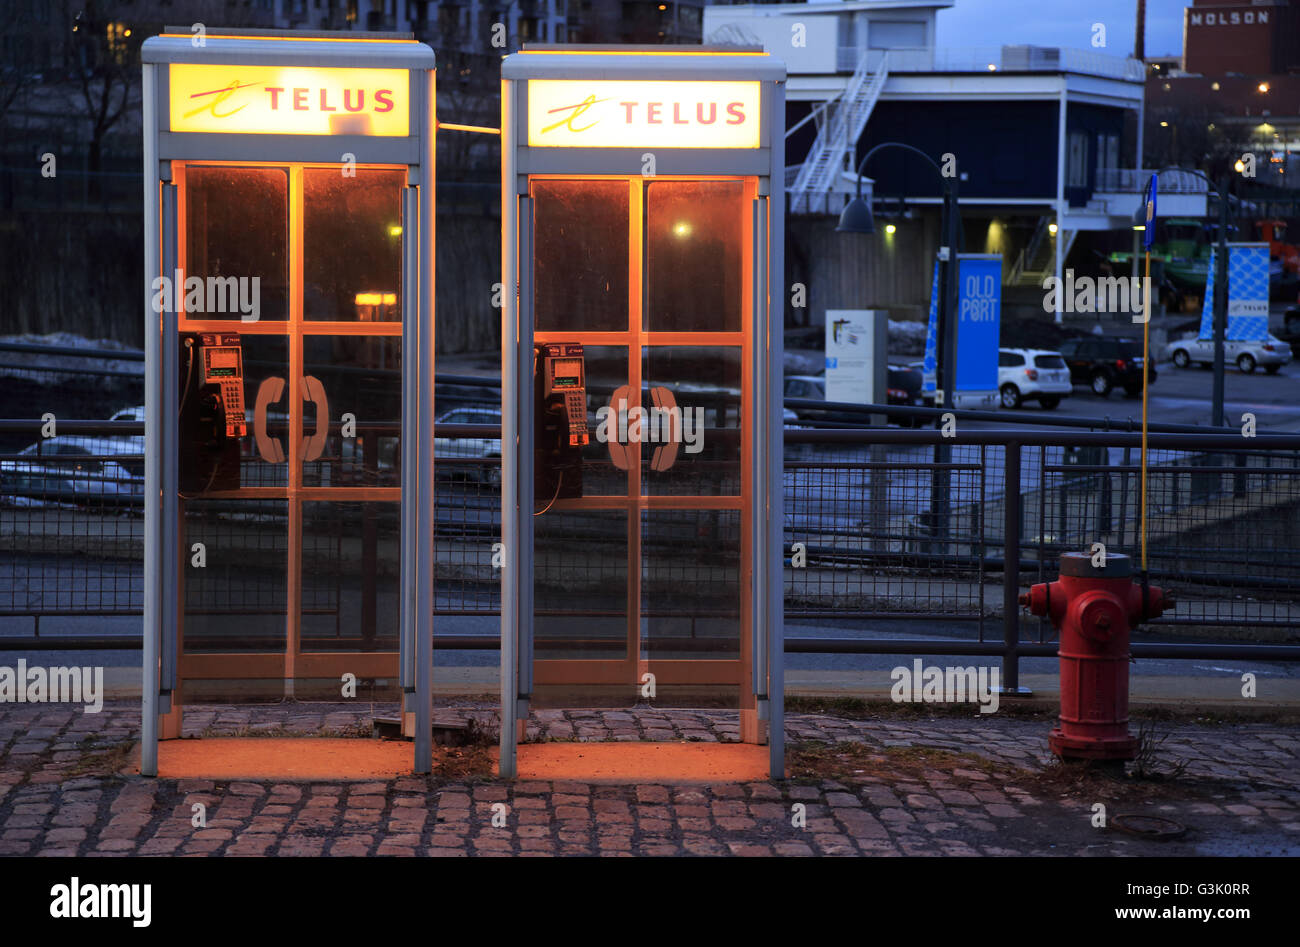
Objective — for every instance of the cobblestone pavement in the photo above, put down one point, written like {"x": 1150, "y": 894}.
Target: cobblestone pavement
{"x": 903, "y": 785}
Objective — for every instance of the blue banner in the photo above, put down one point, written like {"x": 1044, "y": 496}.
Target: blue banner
{"x": 979, "y": 322}
{"x": 931, "y": 365}
{"x": 1247, "y": 293}
{"x": 1149, "y": 235}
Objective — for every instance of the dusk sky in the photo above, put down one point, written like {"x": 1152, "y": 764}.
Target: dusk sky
{"x": 1062, "y": 23}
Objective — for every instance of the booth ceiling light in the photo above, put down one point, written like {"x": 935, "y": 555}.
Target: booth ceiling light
{"x": 375, "y": 299}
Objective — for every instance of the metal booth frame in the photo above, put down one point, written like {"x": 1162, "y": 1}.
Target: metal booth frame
{"x": 759, "y": 667}
{"x": 167, "y": 153}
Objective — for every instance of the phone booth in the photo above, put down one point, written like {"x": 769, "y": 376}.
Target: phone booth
{"x": 289, "y": 208}
{"x": 642, "y": 224}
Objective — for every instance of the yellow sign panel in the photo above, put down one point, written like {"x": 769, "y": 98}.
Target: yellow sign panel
{"x": 617, "y": 113}
{"x": 288, "y": 100}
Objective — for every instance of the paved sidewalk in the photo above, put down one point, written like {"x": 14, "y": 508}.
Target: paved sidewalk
{"x": 893, "y": 785}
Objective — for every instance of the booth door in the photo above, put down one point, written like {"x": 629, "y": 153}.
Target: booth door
{"x": 301, "y": 571}
{"x": 640, "y": 586}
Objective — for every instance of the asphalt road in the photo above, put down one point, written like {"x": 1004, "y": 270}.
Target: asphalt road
{"x": 1182, "y": 396}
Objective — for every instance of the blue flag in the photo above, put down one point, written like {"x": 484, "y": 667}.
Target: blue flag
{"x": 1149, "y": 235}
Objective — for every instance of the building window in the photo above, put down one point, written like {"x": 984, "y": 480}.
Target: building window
{"x": 894, "y": 34}
{"x": 1076, "y": 161}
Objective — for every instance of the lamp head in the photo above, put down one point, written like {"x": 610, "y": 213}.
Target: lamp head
{"x": 856, "y": 218}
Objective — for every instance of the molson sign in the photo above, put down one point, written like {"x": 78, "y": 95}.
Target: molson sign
{"x": 285, "y": 100}
{"x": 580, "y": 113}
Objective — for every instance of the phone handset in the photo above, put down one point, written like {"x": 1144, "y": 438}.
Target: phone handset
{"x": 619, "y": 453}
{"x": 665, "y": 454}
{"x": 268, "y": 393}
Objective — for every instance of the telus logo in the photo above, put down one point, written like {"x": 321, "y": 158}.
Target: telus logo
{"x": 75, "y": 900}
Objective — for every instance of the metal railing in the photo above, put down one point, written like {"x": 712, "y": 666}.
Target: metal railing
{"x": 895, "y": 525}
{"x": 1016, "y": 59}
{"x": 1135, "y": 180}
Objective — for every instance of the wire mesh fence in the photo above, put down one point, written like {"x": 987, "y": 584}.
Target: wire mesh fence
{"x": 878, "y": 523}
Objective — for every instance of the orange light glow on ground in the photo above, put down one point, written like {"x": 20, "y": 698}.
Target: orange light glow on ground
{"x": 644, "y": 762}
{"x": 290, "y": 758}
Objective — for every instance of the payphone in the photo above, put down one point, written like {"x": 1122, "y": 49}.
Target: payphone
{"x": 294, "y": 170}
{"x": 211, "y": 411}
{"x": 561, "y": 424}
{"x": 642, "y": 228}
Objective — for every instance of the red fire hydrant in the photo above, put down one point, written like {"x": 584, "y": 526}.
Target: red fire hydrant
{"x": 1094, "y": 607}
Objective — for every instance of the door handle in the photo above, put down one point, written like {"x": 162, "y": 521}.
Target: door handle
{"x": 268, "y": 392}
{"x": 665, "y": 454}
{"x": 313, "y": 391}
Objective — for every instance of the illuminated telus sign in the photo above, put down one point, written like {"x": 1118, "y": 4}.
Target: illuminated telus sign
{"x": 580, "y": 113}
{"x": 283, "y": 100}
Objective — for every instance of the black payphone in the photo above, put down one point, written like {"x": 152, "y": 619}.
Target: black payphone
{"x": 211, "y": 411}
{"x": 561, "y": 423}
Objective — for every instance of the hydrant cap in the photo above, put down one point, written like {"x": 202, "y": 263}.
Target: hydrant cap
{"x": 1079, "y": 564}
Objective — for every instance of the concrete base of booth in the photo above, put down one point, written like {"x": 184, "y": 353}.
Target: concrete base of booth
{"x": 286, "y": 759}
{"x": 634, "y": 762}
{"x": 298, "y": 759}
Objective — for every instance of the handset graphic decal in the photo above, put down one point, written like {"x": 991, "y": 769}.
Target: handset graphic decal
{"x": 268, "y": 392}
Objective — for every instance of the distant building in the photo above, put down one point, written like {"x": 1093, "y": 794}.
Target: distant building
{"x": 1046, "y": 139}
{"x": 1236, "y": 88}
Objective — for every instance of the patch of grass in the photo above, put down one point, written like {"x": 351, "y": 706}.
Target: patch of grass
{"x": 859, "y": 763}
{"x": 1148, "y": 758}
{"x": 857, "y": 708}
{"x": 107, "y": 762}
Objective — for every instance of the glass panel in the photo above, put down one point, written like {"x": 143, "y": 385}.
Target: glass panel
{"x": 580, "y": 240}
{"x": 606, "y": 371}
{"x": 695, "y": 238}
{"x": 237, "y": 225}
{"x": 352, "y": 245}
{"x": 691, "y": 399}
{"x": 360, "y": 376}
{"x": 350, "y": 570}
{"x": 690, "y": 584}
{"x": 580, "y": 585}
{"x": 238, "y": 600}
{"x": 265, "y": 357}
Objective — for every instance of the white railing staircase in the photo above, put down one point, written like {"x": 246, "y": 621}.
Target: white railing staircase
{"x": 1037, "y": 260}
{"x": 832, "y": 153}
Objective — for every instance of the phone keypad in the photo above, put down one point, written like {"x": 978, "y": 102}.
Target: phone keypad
{"x": 576, "y": 404}
{"x": 232, "y": 394}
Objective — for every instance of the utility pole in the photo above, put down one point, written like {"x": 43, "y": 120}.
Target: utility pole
{"x": 1220, "y": 301}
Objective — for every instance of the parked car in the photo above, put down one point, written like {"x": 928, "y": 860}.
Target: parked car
{"x": 72, "y": 469}
{"x": 903, "y": 387}
{"x": 474, "y": 448}
{"x": 1291, "y": 329}
{"x": 1269, "y": 353}
{"x": 1105, "y": 362}
{"x": 1032, "y": 375}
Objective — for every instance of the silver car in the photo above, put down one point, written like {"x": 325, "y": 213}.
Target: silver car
{"x": 1269, "y": 353}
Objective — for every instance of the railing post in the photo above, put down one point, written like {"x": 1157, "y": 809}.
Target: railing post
{"x": 1011, "y": 570}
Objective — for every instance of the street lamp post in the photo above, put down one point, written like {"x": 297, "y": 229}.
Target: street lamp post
{"x": 858, "y": 218}
{"x": 1220, "y": 301}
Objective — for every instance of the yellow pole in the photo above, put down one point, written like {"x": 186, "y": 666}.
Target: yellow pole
{"x": 1146, "y": 374}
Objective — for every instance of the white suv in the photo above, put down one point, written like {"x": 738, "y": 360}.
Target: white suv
{"x": 1032, "y": 375}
